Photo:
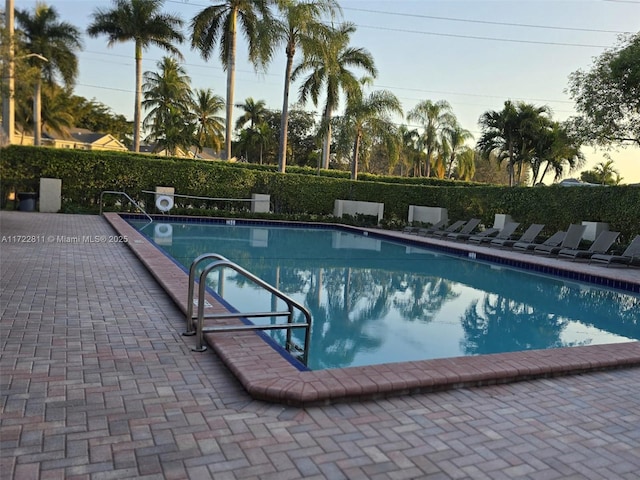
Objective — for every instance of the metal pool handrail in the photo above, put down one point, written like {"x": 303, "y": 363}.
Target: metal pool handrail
{"x": 128, "y": 198}
{"x": 195, "y": 324}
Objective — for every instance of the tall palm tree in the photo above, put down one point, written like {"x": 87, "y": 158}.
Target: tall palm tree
{"x": 329, "y": 74}
{"x": 433, "y": 117}
{"x": 532, "y": 120}
{"x": 510, "y": 134}
{"x": 409, "y": 151}
{"x": 606, "y": 172}
{"x": 142, "y": 22}
{"x": 299, "y": 25}
{"x": 370, "y": 116}
{"x": 167, "y": 96}
{"x": 218, "y": 24}
{"x": 261, "y": 135}
{"x": 210, "y": 129}
{"x": 466, "y": 164}
{"x": 556, "y": 149}
{"x": 254, "y": 113}
{"x": 499, "y": 136}
{"x": 455, "y": 136}
{"x": 56, "y": 112}
{"x": 53, "y": 44}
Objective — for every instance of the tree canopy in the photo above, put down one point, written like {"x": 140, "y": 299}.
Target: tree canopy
{"x": 608, "y": 96}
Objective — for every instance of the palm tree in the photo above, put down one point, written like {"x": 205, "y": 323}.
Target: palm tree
{"x": 329, "y": 74}
{"x": 409, "y": 151}
{"x": 455, "y": 136}
{"x": 466, "y": 164}
{"x": 299, "y": 25}
{"x": 556, "y": 149}
{"x": 210, "y": 130}
{"x": 509, "y": 134}
{"x": 218, "y": 24}
{"x": 606, "y": 172}
{"x": 254, "y": 113}
{"x": 370, "y": 116}
{"x": 531, "y": 121}
{"x": 56, "y": 112}
{"x": 142, "y": 22}
{"x": 167, "y": 96}
{"x": 433, "y": 117}
{"x": 499, "y": 136}
{"x": 261, "y": 135}
{"x": 51, "y": 44}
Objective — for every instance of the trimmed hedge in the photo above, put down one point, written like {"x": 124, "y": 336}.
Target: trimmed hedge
{"x": 85, "y": 174}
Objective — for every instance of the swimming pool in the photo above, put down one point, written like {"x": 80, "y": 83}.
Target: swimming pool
{"x": 376, "y": 301}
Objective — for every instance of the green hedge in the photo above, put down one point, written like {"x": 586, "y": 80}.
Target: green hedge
{"x": 85, "y": 174}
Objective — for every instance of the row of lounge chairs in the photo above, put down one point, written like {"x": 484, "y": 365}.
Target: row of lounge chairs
{"x": 561, "y": 244}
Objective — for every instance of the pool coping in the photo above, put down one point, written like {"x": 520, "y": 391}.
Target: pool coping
{"x": 267, "y": 375}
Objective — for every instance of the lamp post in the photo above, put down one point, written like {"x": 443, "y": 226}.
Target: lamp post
{"x": 8, "y": 102}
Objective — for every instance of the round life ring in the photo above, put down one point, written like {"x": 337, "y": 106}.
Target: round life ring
{"x": 164, "y": 203}
{"x": 163, "y": 230}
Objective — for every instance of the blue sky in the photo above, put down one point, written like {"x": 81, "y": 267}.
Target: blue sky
{"x": 474, "y": 54}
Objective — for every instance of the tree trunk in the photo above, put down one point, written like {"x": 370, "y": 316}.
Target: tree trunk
{"x": 427, "y": 172}
{"x": 326, "y": 145}
{"x": 356, "y": 154}
{"x": 37, "y": 113}
{"x": 137, "y": 112}
{"x": 544, "y": 172}
{"x": 284, "y": 120}
{"x": 510, "y": 166}
{"x": 231, "y": 77}
{"x": 450, "y": 167}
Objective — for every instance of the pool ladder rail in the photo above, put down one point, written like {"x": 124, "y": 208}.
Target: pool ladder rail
{"x": 135, "y": 204}
{"x": 195, "y": 323}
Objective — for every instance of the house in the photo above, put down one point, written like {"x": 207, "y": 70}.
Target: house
{"x": 155, "y": 149}
{"x": 77, "y": 138}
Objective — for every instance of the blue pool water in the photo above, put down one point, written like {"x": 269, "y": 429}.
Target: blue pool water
{"x": 375, "y": 301}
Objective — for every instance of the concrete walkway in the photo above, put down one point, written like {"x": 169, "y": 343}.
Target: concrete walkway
{"x": 98, "y": 383}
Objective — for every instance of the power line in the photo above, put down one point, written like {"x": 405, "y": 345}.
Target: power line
{"x": 389, "y": 87}
{"x": 475, "y": 37}
{"x": 487, "y": 22}
{"x": 461, "y": 20}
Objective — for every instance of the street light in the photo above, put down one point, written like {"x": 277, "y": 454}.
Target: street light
{"x": 8, "y": 113}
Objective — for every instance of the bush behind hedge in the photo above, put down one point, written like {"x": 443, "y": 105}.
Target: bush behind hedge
{"x": 85, "y": 174}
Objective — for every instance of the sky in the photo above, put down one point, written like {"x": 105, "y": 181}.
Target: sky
{"x": 474, "y": 54}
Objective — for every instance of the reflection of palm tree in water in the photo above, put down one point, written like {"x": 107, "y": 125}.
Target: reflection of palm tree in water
{"x": 429, "y": 296}
{"x": 502, "y": 325}
{"x": 338, "y": 331}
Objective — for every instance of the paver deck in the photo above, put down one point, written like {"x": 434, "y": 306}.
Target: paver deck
{"x": 97, "y": 383}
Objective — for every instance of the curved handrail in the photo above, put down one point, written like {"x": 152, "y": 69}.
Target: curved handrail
{"x": 192, "y": 277}
{"x": 128, "y": 198}
{"x": 291, "y": 304}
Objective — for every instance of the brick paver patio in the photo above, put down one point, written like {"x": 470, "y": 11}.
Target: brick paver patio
{"x": 98, "y": 383}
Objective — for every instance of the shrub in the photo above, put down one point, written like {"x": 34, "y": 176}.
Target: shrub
{"x": 302, "y": 193}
